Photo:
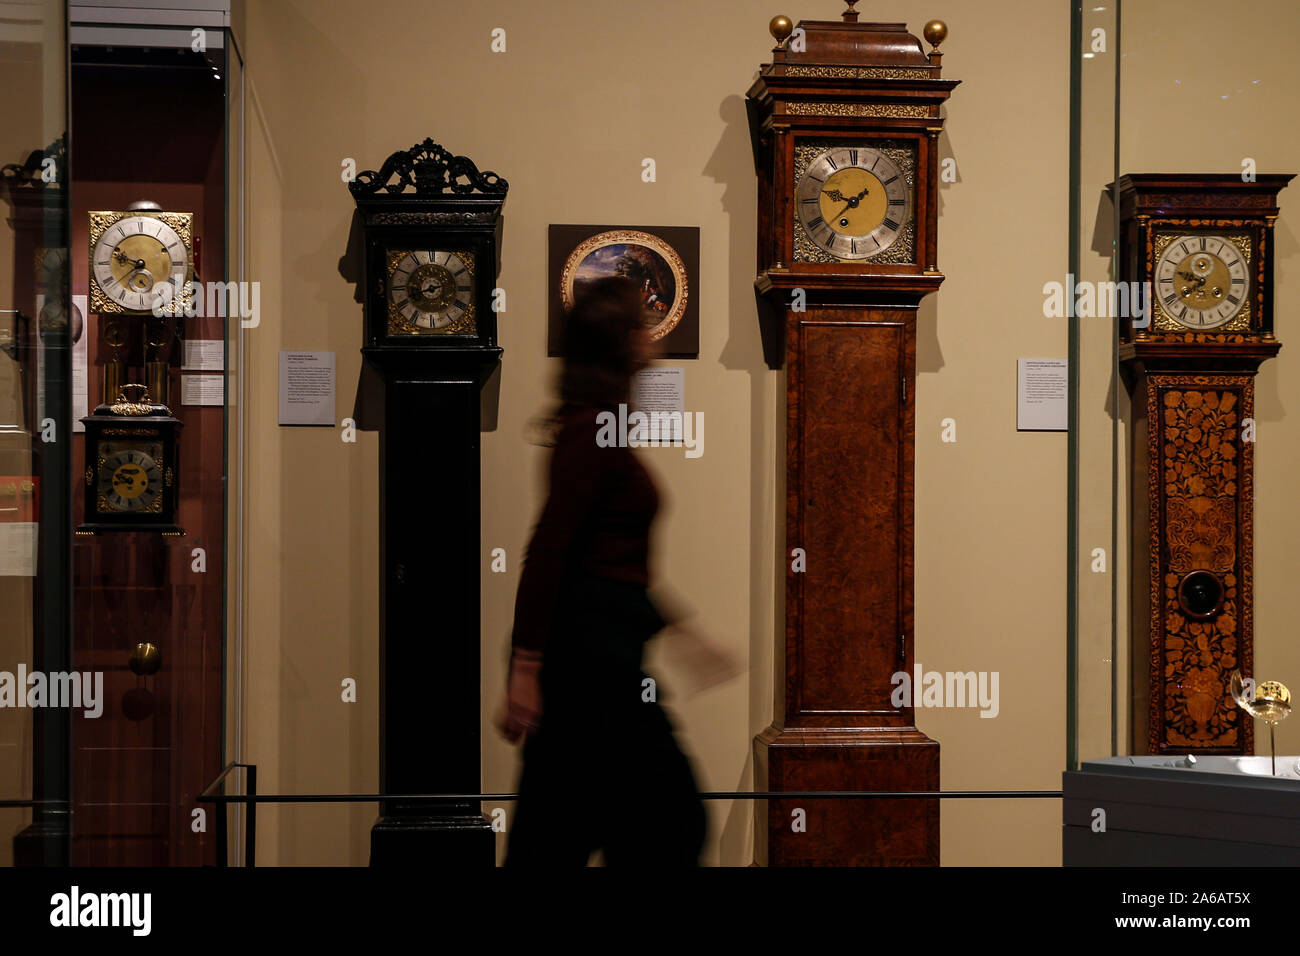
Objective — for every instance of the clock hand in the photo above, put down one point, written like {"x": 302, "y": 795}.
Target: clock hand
{"x": 852, "y": 201}
{"x": 122, "y": 257}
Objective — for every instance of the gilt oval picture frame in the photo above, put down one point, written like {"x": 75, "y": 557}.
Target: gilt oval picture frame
{"x": 646, "y": 259}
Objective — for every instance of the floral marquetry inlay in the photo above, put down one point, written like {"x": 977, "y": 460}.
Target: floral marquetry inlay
{"x": 1201, "y": 478}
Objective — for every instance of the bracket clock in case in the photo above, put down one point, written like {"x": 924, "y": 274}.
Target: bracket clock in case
{"x": 131, "y": 467}
{"x": 431, "y": 224}
{"x": 1205, "y": 245}
{"x": 845, "y": 125}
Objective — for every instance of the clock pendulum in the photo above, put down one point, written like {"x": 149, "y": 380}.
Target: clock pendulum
{"x": 114, "y": 368}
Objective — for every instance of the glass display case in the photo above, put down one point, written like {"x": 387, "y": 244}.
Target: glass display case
{"x": 1179, "y": 464}
{"x": 1123, "y": 105}
{"x": 117, "y": 412}
{"x": 37, "y": 330}
{"x": 126, "y": 318}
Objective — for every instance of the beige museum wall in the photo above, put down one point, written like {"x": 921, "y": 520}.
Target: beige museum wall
{"x": 583, "y": 93}
{"x": 1176, "y": 118}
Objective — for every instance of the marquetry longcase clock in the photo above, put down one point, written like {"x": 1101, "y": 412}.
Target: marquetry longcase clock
{"x": 1204, "y": 244}
{"x": 431, "y": 223}
{"x": 845, "y": 123}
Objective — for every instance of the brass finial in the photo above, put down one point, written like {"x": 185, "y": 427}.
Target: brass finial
{"x": 851, "y": 15}
{"x": 780, "y": 28}
{"x": 935, "y": 32}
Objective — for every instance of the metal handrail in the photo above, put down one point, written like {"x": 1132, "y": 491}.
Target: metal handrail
{"x": 253, "y": 798}
{"x": 250, "y": 830}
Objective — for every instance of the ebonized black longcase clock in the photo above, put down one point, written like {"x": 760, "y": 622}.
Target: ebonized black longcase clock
{"x": 431, "y": 223}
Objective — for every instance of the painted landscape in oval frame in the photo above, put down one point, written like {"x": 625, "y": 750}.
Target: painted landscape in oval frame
{"x": 663, "y": 261}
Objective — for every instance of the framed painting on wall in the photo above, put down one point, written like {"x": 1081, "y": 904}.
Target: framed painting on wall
{"x": 663, "y": 261}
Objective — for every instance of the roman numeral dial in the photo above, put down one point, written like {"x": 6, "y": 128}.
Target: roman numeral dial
{"x": 430, "y": 291}
{"x": 130, "y": 478}
{"x": 1202, "y": 280}
{"x": 852, "y": 202}
{"x": 135, "y": 258}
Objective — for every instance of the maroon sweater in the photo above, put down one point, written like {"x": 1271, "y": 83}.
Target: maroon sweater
{"x": 599, "y": 508}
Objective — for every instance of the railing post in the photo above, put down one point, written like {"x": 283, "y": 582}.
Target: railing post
{"x": 250, "y": 836}
{"x": 221, "y": 809}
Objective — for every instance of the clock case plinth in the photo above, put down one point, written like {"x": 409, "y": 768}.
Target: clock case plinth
{"x": 429, "y": 508}
{"x": 850, "y": 361}
{"x": 1190, "y": 392}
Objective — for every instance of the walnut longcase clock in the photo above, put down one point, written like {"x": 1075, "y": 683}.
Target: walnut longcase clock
{"x": 1203, "y": 244}
{"x": 845, "y": 123}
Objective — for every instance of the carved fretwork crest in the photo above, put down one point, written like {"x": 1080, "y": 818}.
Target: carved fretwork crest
{"x": 428, "y": 170}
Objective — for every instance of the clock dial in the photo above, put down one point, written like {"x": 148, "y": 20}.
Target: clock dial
{"x": 432, "y": 291}
{"x": 1202, "y": 280}
{"x": 135, "y": 259}
{"x": 853, "y": 201}
{"x": 130, "y": 477}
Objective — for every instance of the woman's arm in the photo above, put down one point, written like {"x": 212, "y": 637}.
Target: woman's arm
{"x": 574, "y": 482}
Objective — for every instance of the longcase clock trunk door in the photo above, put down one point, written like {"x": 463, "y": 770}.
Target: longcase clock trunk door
{"x": 850, "y": 440}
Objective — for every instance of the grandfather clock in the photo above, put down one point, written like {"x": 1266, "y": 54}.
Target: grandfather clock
{"x": 432, "y": 232}
{"x": 1204, "y": 243}
{"x": 845, "y": 122}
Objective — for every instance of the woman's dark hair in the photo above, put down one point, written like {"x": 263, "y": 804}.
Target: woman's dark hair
{"x": 598, "y": 342}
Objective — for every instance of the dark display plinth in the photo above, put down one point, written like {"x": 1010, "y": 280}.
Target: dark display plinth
{"x": 1163, "y": 811}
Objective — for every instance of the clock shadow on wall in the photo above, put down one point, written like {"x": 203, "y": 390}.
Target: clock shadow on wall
{"x": 368, "y": 403}
{"x": 929, "y": 348}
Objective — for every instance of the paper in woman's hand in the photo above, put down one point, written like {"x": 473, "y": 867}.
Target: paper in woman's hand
{"x": 701, "y": 662}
